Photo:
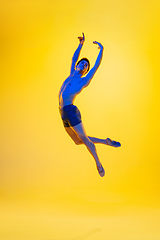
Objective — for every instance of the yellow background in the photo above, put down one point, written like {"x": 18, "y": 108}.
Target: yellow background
{"x": 50, "y": 188}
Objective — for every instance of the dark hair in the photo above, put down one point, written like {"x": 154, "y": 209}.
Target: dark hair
{"x": 86, "y": 61}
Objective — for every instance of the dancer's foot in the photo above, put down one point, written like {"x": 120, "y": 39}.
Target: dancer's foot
{"x": 112, "y": 143}
{"x": 101, "y": 170}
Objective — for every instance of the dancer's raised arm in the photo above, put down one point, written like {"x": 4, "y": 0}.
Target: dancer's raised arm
{"x": 89, "y": 76}
{"x": 77, "y": 53}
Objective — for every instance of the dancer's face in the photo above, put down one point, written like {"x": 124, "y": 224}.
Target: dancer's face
{"x": 82, "y": 66}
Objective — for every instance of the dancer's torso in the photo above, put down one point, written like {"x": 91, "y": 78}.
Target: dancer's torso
{"x": 70, "y": 88}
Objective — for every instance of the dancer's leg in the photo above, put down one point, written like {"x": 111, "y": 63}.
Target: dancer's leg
{"x": 73, "y": 135}
{"x": 80, "y": 131}
{"x": 78, "y": 141}
{"x": 97, "y": 140}
{"x": 106, "y": 141}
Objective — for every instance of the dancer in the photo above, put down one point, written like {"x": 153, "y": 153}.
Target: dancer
{"x": 70, "y": 114}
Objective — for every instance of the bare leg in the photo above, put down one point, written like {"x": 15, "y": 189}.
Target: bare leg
{"x": 78, "y": 141}
{"x": 72, "y": 133}
{"x": 98, "y": 140}
{"x": 80, "y": 131}
{"x": 106, "y": 141}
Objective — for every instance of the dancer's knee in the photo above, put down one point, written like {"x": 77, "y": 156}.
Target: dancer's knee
{"x": 87, "y": 141}
{"x": 83, "y": 138}
{"x": 78, "y": 142}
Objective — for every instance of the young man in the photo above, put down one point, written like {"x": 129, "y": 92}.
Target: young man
{"x": 70, "y": 114}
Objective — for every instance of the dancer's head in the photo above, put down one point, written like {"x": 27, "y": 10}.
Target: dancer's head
{"x": 83, "y": 65}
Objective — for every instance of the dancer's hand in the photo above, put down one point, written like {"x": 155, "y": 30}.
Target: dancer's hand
{"x": 99, "y": 45}
{"x": 82, "y": 39}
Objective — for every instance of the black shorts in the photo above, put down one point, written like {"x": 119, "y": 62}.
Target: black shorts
{"x": 70, "y": 115}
